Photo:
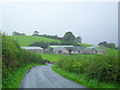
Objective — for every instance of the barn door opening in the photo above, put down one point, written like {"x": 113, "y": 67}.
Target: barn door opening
{"x": 59, "y": 51}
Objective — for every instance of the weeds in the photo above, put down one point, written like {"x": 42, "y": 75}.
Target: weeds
{"x": 103, "y": 68}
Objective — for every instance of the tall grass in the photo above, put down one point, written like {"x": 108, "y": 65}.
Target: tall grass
{"x": 83, "y": 79}
{"x": 103, "y": 68}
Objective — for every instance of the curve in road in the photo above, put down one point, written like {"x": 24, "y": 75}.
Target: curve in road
{"x": 45, "y": 77}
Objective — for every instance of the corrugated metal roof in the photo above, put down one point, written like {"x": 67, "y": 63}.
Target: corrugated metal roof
{"x": 97, "y": 47}
{"x": 56, "y": 46}
{"x": 31, "y": 47}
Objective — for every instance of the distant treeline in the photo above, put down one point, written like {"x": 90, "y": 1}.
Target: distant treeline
{"x": 50, "y": 36}
{"x": 108, "y": 45}
{"x": 18, "y": 34}
{"x": 67, "y": 39}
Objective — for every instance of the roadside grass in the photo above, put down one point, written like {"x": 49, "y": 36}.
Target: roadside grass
{"x": 14, "y": 79}
{"x": 27, "y": 40}
{"x": 82, "y": 79}
{"x": 69, "y": 67}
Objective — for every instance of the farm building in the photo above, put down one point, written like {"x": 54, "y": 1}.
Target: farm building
{"x": 34, "y": 49}
{"x": 79, "y": 49}
{"x": 94, "y": 50}
{"x": 59, "y": 49}
{"x": 64, "y": 49}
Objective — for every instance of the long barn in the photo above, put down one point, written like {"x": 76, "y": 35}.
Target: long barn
{"x": 34, "y": 49}
{"x": 59, "y": 49}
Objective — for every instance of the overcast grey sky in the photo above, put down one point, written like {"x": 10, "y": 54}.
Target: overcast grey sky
{"x": 94, "y": 22}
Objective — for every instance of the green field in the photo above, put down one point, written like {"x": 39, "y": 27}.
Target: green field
{"x": 27, "y": 40}
{"x": 55, "y": 57}
{"x": 85, "y": 45}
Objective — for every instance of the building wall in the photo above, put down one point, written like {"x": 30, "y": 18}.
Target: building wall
{"x": 60, "y": 51}
{"x": 36, "y": 50}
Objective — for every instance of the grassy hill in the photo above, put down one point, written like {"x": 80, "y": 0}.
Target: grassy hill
{"x": 26, "y": 40}
{"x": 85, "y": 45}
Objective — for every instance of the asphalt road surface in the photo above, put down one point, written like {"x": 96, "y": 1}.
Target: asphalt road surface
{"x": 45, "y": 77}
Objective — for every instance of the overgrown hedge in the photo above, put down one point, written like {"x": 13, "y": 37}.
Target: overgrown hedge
{"x": 104, "y": 68}
{"x": 13, "y": 58}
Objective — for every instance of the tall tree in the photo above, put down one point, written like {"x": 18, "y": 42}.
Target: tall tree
{"x": 109, "y": 45}
{"x": 36, "y": 33}
{"x": 17, "y": 33}
{"x": 68, "y": 38}
{"x": 78, "y": 39}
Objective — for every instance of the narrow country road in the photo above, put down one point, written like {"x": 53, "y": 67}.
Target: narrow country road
{"x": 45, "y": 77}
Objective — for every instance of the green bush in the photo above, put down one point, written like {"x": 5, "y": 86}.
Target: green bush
{"x": 14, "y": 58}
{"x": 104, "y": 68}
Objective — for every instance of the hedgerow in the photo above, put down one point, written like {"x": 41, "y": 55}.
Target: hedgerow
{"x": 14, "y": 58}
{"x": 104, "y": 68}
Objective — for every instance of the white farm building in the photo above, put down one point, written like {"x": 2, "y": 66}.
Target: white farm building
{"x": 94, "y": 50}
{"x": 59, "y": 49}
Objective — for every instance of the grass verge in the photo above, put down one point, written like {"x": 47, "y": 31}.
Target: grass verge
{"x": 82, "y": 79}
{"x": 16, "y": 77}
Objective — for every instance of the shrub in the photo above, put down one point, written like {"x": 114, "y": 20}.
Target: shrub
{"x": 104, "y": 68}
{"x": 13, "y": 58}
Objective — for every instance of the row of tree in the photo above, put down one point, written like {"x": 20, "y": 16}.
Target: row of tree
{"x": 36, "y": 33}
{"x": 69, "y": 37}
{"x": 108, "y": 45}
{"x": 18, "y": 34}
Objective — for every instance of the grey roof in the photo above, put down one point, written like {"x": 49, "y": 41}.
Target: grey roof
{"x": 57, "y": 46}
{"x": 97, "y": 47}
{"x": 78, "y": 48}
{"x": 31, "y": 47}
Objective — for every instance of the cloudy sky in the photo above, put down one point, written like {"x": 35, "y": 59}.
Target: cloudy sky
{"x": 93, "y": 21}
